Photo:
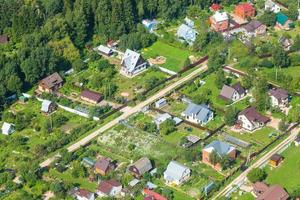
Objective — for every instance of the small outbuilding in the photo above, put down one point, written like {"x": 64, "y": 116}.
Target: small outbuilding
{"x": 104, "y": 50}
{"x": 91, "y": 96}
{"x": 7, "y": 128}
{"x": 297, "y": 142}
{"x": 275, "y": 160}
{"x": 160, "y": 103}
{"x": 48, "y": 107}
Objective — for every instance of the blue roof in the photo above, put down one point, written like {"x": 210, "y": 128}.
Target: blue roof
{"x": 202, "y": 111}
{"x": 175, "y": 171}
{"x": 186, "y": 33}
{"x": 222, "y": 148}
{"x": 189, "y": 22}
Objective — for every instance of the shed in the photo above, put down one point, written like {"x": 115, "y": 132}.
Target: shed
{"x": 275, "y": 160}
{"x": 48, "y": 107}
{"x": 160, "y": 103}
{"x": 104, "y": 50}
{"x": 88, "y": 162}
{"x": 7, "y": 128}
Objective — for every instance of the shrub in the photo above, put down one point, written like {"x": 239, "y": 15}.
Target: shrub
{"x": 256, "y": 174}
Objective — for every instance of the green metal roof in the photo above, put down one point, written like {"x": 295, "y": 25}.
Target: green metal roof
{"x": 281, "y": 18}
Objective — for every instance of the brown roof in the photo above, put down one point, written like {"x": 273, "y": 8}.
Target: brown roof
{"x": 95, "y": 96}
{"x": 103, "y": 164}
{"x": 4, "y": 39}
{"x": 276, "y": 157}
{"x": 253, "y": 25}
{"x": 279, "y": 93}
{"x": 143, "y": 165}
{"x": 252, "y": 115}
{"x": 51, "y": 81}
{"x": 274, "y": 192}
{"x": 106, "y": 186}
{"x": 260, "y": 187}
{"x": 227, "y": 92}
{"x": 238, "y": 87}
{"x": 83, "y": 193}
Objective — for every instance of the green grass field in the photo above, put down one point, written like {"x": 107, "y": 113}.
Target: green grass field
{"x": 287, "y": 173}
{"x": 175, "y": 56}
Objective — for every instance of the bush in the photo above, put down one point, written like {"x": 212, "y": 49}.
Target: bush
{"x": 256, "y": 174}
{"x": 167, "y": 127}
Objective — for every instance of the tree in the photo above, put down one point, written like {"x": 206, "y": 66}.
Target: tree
{"x": 256, "y": 174}
{"x": 295, "y": 193}
{"x": 14, "y": 84}
{"x": 79, "y": 65}
{"x": 167, "y": 193}
{"x": 78, "y": 170}
{"x": 220, "y": 79}
{"x": 280, "y": 57}
{"x": 283, "y": 126}
{"x": 246, "y": 82}
{"x": 268, "y": 18}
{"x": 214, "y": 158}
{"x": 230, "y": 115}
{"x": 296, "y": 45}
{"x": 167, "y": 127}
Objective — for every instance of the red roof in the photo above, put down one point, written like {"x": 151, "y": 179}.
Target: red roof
{"x": 215, "y": 7}
{"x": 245, "y": 7}
{"x": 274, "y": 192}
{"x": 154, "y": 195}
{"x": 95, "y": 96}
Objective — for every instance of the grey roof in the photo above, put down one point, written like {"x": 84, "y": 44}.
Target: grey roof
{"x": 193, "y": 138}
{"x": 201, "y": 111}
{"x": 160, "y": 118}
{"x": 186, "y": 32}
{"x": 189, "y": 22}
{"x": 160, "y": 101}
{"x": 175, "y": 171}
{"x": 45, "y": 105}
{"x": 131, "y": 60}
{"x": 104, "y": 49}
{"x": 221, "y": 148}
{"x": 143, "y": 165}
{"x": 252, "y": 26}
{"x": 227, "y": 92}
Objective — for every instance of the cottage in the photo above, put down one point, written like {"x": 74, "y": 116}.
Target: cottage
{"x": 275, "y": 160}
{"x": 186, "y": 33}
{"x": 272, "y": 6}
{"x": 283, "y": 22}
{"x": 7, "y": 128}
{"x": 255, "y": 28}
{"x": 106, "y": 51}
{"x": 190, "y": 23}
{"x": 161, "y": 118}
{"x": 232, "y": 93}
{"x": 132, "y": 63}
{"x": 250, "y": 119}
{"x": 215, "y": 7}
{"x": 160, "y": 103}
{"x": 91, "y": 96}
{"x": 51, "y": 83}
{"x": 219, "y": 21}
{"x": 87, "y": 162}
{"x": 176, "y": 173}
{"x": 150, "y": 25}
{"x": 109, "y": 188}
{"x": 219, "y": 147}
{"x": 104, "y": 165}
{"x": 244, "y": 10}
{"x": 285, "y": 42}
{"x": 264, "y": 192}
{"x": 279, "y": 97}
{"x": 199, "y": 114}
{"x": 82, "y": 194}
{"x": 151, "y": 195}
{"x": 140, "y": 167}
{"x": 4, "y": 39}
{"x": 48, "y": 107}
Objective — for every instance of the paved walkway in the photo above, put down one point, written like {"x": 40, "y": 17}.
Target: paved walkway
{"x": 129, "y": 111}
{"x": 242, "y": 177}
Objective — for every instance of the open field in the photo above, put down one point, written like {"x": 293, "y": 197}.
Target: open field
{"x": 286, "y": 173}
{"x": 175, "y": 56}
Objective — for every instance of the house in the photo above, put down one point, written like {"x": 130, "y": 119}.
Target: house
{"x": 283, "y": 22}
{"x": 297, "y": 141}
{"x": 275, "y": 160}
{"x": 140, "y": 167}
{"x": 215, "y": 7}
{"x": 219, "y": 147}
{"x": 51, "y": 83}
{"x": 190, "y": 23}
{"x": 199, "y": 114}
{"x": 132, "y": 63}
{"x": 150, "y": 25}
{"x": 91, "y": 96}
{"x": 4, "y": 39}
{"x": 151, "y": 195}
{"x": 250, "y": 119}
{"x": 279, "y": 97}
{"x": 7, "y": 128}
{"x": 109, "y": 188}
{"x": 87, "y": 162}
{"x": 186, "y": 33}
{"x": 161, "y": 118}
{"x": 160, "y": 103}
{"x": 176, "y": 173}
{"x": 232, "y": 93}
{"x": 103, "y": 165}
{"x": 82, "y": 194}
{"x": 255, "y": 28}
{"x": 244, "y": 10}
{"x": 219, "y": 21}
{"x": 106, "y": 51}
{"x": 285, "y": 42}
{"x": 272, "y": 6}
{"x": 48, "y": 107}
{"x": 265, "y": 192}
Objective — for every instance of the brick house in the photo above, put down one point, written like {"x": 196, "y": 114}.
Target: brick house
{"x": 219, "y": 21}
{"x": 244, "y": 10}
{"x": 219, "y": 147}
{"x": 51, "y": 83}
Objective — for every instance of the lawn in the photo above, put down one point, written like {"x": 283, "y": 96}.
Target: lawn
{"x": 286, "y": 174}
{"x": 175, "y": 57}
